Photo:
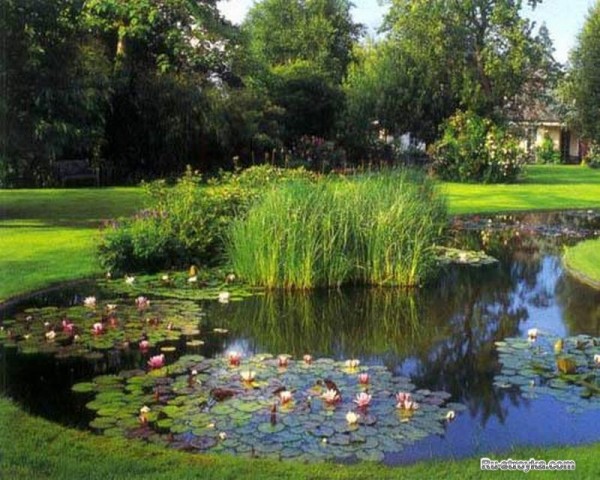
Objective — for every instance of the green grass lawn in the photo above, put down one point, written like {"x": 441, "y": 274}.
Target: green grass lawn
{"x": 545, "y": 187}
{"x": 583, "y": 261}
{"x": 50, "y": 235}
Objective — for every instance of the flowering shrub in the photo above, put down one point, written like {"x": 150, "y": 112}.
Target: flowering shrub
{"x": 474, "y": 149}
{"x": 546, "y": 153}
{"x": 186, "y": 223}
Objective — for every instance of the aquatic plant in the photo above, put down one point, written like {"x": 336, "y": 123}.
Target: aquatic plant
{"x": 538, "y": 368}
{"x": 156, "y": 361}
{"x": 373, "y": 229}
{"x": 218, "y": 414}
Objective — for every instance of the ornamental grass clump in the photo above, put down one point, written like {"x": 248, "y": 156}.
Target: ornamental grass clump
{"x": 375, "y": 229}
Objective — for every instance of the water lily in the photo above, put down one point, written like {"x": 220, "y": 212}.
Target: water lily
{"x": 283, "y": 360}
{"x": 353, "y": 363}
{"x": 234, "y": 358}
{"x": 50, "y": 335}
{"x": 68, "y": 327}
{"x": 450, "y": 415}
{"x": 308, "y": 359}
{"x": 352, "y": 418}
{"x": 404, "y": 401}
{"x": 97, "y": 328}
{"x": 193, "y": 279}
{"x": 89, "y": 302}
{"x": 363, "y": 378}
{"x": 248, "y": 375}
{"x": 362, "y": 400}
{"x": 285, "y": 397}
{"x": 222, "y": 435}
{"x": 111, "y": 307}
{"x": 144, "y": 345}
{"x": 165, "y": 278}
{"x": 230, "y": 278}
{"x": 224, "y": 297}
{"x": 532, "y": 334}
{"x": 330, "y": 396}
{"x": 143, "y": 417}
{"x": 142, "y": 302}
{"x": 597, "y": 359}
{"x": 129, "y": 280}
{"x": 157, "y": 361}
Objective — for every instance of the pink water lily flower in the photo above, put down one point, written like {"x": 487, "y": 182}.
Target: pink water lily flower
{"x": 405, "y": 402}
{"x": 142, "y": 302}
{"x": 68, "y": 327}
{"x": 308, "y": 359}
{"x": 283, "y": 360}
{"x": 97, "y": 328}
{"x": 234, "y": 358}
{"x": 362, "y": 400}
{"x": 363, "y": 378}
{"x": 330, "y": 396}
{"x": 144, "y": 345}
{"x": 157, "y": 361}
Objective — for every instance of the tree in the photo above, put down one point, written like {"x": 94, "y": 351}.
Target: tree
{"x": 469, "y": 54}
{"x": 54, "y": 92}
{"x": 581, "y": 87}
{"x": 317, "y": 31}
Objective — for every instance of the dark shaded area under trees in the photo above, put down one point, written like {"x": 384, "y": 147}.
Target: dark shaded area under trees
{"x": 143, "y": 88}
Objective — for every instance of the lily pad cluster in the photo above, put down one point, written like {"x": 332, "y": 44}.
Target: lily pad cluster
{"x": 266, "y": 406}
{"x": 97, "y": 326}
{"x": 456, "y": 256}
{"x": 567, "y": 369}
{"x": 191, "y": 285}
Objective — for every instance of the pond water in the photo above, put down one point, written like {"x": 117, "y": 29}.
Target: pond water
{"x": 441, "y": 337}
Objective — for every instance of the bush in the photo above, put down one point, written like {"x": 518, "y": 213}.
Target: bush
{"x": 373, "y": 229}
{"x": 474, "y": 149}
{"x": 186, "y": 223}
{"x": 546, "y": 153}
{"x": 592, "y": 158}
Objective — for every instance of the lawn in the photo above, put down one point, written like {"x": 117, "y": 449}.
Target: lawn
{"x": 50, "y": 235}
{"x": 583, "y": 261}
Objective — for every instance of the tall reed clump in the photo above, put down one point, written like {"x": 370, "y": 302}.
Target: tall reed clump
{"x": 375, "y": 229}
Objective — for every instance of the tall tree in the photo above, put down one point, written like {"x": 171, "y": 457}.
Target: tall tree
{"x": 581, "y": 88}
{"x": 469, "y": 54}
{"x": 54, "y": 89}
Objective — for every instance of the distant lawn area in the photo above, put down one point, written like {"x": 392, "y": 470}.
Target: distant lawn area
{"x": 47, "y": 236}
{"x": 544, "y": 187}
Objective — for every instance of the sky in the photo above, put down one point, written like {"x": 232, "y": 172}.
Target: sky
{"x": 564, "y": 18}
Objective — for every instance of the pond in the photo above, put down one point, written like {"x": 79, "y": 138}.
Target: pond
{"x": 438, "y": 343}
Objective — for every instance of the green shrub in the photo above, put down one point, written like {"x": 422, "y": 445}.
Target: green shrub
{"x": 474, "y": 149}
{"x": 592, "y": 158}
{"x": 374, "y": 229}
{"x": 546, "y": 153}
{"x": 186, "y": 223}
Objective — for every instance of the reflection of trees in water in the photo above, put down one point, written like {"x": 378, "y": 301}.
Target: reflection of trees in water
{"x": 464, "y": 363}
{"x": 580, "y": 305}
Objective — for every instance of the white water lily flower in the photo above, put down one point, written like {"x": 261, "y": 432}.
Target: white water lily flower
{"x": 597, "y": 359}
{"x": 193, "y": 279}
{"x": 89, "y": 302}
{"x": 222, "y": 435}
{"x": 50, "y": 335}
{"x": 330, "y": 396}
{"x": 352, "y": 418}
{"x": 111, "y": 307}
{"x": 353, "y": 363}
{"x": 145, "y": 409}
{"x": 129, "y": 280}
{"x": 285, "y": 396}
{"x": 532, "y": 333}
{"x": 248, "y": 375}
{"x": 450, "y": 415}
{"x": 224, "y": 297}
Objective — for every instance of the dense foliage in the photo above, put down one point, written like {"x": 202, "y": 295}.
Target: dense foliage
{"x": 186, "y": 223}
{"x": 474, "y": 149}
{"x": 545, "y": 151}
{"x": 374, "y": 229}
